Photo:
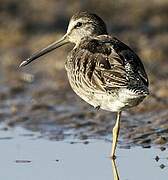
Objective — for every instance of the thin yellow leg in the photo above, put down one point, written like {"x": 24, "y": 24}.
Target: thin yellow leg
{"x": 115, "y": 135}
{"x": 115, "y": 170}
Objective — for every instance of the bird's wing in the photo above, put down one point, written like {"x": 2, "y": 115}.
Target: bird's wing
{"x": 106, "y": 63}
{"x": 130, "y": 59}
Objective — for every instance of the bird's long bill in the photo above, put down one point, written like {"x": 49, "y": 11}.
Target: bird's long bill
{"x": 46, "y": 50}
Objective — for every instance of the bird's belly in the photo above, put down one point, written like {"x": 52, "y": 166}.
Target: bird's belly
{"x": 120, "y": 102}
{"x": 114, "y": 102}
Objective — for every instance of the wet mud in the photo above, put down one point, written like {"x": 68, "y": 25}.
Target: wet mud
{"x": 49, "y": 106}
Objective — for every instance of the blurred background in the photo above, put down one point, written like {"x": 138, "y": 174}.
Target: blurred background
{"x": 39, "y": 97}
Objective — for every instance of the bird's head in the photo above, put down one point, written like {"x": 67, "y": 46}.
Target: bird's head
{"x": 85, "y": 24}
{"x": 81, "y": 25}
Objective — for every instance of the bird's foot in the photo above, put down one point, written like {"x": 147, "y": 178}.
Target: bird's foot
{"x": 97, "y": 108}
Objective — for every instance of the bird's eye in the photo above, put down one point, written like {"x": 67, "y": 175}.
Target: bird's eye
{"x": 79, "y": 24}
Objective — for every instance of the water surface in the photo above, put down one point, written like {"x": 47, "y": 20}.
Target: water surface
{"x": 24, "y": 155}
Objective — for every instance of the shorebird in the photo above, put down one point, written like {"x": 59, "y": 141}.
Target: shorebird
{"x": 101, "y": 69}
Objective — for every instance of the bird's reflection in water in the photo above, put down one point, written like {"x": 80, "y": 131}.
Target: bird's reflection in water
{"x": 115, "y": 170}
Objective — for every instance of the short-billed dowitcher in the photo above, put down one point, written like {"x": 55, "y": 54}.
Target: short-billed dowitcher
{"x": 101, "y": 69}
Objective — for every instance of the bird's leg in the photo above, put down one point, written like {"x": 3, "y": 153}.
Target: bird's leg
{"x": 97, "y": 108}
{"x": 115, "y": 135}
{"x": 115, "y": 170}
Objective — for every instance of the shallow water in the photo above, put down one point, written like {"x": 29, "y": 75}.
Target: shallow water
{"x": 24, "y": 155}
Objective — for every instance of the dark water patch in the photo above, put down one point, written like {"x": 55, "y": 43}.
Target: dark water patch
{"x": 6, "y": 138}
{"x": 23, "y": 161}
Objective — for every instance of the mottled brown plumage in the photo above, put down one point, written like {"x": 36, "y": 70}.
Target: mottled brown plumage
{"x": 103, "y": 66}
{"x": 101, "y": 69}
